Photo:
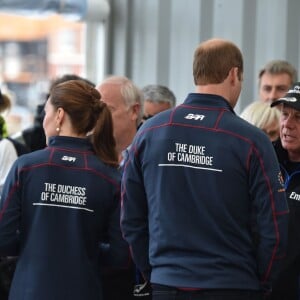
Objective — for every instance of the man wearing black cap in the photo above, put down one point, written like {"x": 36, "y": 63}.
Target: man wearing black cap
{"x": 288, "y": 152}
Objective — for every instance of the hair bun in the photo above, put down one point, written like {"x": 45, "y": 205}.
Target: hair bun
{"x": 95, "y": 94}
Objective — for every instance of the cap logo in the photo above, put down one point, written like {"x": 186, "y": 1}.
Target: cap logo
{"x": 292, "y": 97}
{"x": 295, "y": 90}
{"x": 289, "y": 99}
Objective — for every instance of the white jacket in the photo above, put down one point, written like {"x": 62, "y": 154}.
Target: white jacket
{"x": 8, "y": 155}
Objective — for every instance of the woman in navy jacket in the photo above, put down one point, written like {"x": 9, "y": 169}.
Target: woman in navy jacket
{"x": 59, "y": 203}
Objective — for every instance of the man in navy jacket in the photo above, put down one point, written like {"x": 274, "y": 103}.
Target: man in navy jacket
{"x": 204, "y": 207}
{"x": 287, "y": 148}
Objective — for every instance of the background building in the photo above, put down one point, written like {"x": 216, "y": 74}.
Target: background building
{"x": 150, "y": 41}
{"x": 32, "y": 52}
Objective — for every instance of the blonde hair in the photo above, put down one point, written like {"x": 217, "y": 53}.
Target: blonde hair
{"x": 260, "y": 114}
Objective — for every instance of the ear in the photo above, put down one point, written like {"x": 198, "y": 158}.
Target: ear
{"x": 60, "y": 113}
{"x": 135, "y": 111}
{"x": 234, "y": 75}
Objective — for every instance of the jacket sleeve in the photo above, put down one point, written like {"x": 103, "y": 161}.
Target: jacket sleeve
{"x": 8, "y": 155}
{"x": 134, "y": 213}
{"x": 10, "y": 214}
{"x": 115, "y": 250}
{"x": 270, "y": 211}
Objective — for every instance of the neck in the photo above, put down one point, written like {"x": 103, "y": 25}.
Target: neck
{"x": 67, "y": 130}
{"x": 123, "y": 143}
{"x": 214, "y": 89}
{"x": 82, "y": 136}
{"x": 294, "y": 156}
{"x": 221, "y": 89}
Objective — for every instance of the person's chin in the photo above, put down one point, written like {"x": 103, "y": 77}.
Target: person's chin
{"x": 289, "y": 143}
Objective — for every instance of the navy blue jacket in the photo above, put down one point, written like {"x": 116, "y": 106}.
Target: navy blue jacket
{"x": 197, "y": 180}
{"x": 291, "y": 176}
{"x": 57, "y": 205}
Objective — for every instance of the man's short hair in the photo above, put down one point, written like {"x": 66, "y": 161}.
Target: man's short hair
{"x": 279, "y": 67}
{"x": 158, "y": 93}
{"x": 213, "y": 59}
{"x": 131, "y": 93}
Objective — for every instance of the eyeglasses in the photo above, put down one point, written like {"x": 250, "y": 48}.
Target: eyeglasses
{"x": 147, "y": 117}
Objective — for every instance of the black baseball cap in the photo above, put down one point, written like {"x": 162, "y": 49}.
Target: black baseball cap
{"x": 292, "y": 97}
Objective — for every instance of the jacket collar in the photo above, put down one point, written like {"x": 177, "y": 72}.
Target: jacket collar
{"x": 209, "y": 100}
{"x": 82, "y": 144}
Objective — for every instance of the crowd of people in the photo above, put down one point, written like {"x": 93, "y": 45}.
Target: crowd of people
{"x": 119, "y": 193}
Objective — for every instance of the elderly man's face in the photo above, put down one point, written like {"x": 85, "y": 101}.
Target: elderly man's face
{"x": 290, "y": 131}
